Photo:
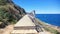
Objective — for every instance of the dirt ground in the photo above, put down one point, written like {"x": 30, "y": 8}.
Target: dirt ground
{"x": 6, "y": 30}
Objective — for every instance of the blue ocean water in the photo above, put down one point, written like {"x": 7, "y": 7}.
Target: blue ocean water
{"x": 53, "y": 19}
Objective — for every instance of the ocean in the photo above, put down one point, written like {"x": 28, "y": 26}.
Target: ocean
{"x": 53, "y": 19}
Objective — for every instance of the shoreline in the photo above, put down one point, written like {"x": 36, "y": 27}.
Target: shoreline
{"x": 53, "y": 20}
{"x": 49, "y": 25}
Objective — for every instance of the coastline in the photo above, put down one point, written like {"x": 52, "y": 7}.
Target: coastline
{"x": 46, "y": 27}
{"x": 49, "y": 25}
{"x": 52, "y": 19}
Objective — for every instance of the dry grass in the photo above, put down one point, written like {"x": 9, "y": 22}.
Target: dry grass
{"x": 47, "y": 27}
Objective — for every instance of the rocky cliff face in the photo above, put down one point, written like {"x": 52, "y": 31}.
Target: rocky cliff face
{"x": 10, "y": 12}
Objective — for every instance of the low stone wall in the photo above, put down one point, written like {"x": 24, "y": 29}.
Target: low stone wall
{"x": 25, "y": 33}
{"x": 24, "y": 27}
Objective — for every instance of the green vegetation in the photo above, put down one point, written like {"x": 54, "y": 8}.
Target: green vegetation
{"x": 51, "y": 30}
{"x": 10, "y": 13}
{"x": 47, "y": 28}
{"x": 2, "y": 2}
{"x": 5, "y": 16}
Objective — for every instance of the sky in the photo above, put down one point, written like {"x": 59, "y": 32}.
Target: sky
{"x": 40, "y": 6}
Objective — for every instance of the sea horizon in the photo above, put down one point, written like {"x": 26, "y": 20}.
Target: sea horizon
{"x": 52, "y": 19}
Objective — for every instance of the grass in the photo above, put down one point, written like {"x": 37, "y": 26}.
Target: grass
{"x": 47, "y": 28}
{"x": 51, "y": 30}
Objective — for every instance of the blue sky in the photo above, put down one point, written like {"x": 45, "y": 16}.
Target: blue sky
{"x": 40, "y": 6}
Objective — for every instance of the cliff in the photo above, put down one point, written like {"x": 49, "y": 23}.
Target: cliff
{"x": 10, "y": 13}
